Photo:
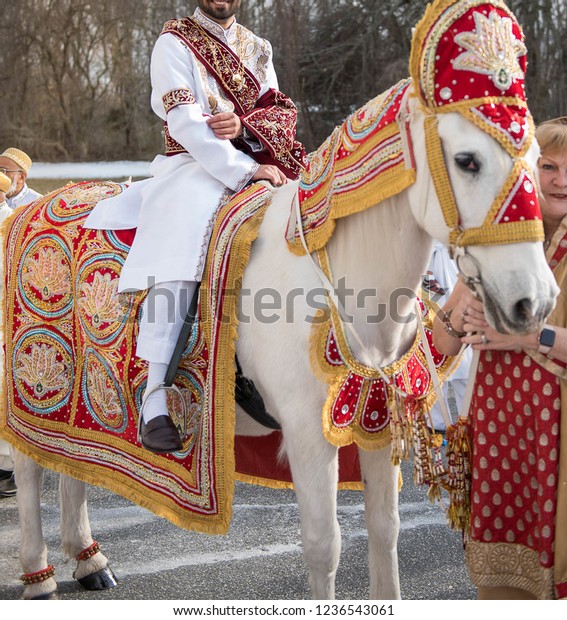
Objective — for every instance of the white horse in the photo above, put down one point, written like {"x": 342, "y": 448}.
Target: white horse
{"x": 384, "y": 248}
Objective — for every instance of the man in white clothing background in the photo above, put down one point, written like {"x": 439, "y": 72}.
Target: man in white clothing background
{"x": 441, "y": 280}
{"x": 16, "y": 164}
{"x": 225, "y": 124}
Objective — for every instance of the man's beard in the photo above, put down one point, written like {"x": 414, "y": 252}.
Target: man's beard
{"x": 13, "y": 188}
{"x": 219, "y": 13}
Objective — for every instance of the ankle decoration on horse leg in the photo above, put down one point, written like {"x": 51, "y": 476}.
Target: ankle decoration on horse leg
{"x": 87, "y": 553}
{"x": 41, "y": 575}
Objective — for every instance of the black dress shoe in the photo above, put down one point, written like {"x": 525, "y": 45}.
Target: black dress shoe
{"x": 8, "y": 487}
{"x": 160, "y": 435}
{"x": 5, "y": 474}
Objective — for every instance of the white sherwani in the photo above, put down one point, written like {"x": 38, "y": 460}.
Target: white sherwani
{"x": 26, "y": 195}
{"x": 173, "y": 210}
{"x": 445, "y": 272}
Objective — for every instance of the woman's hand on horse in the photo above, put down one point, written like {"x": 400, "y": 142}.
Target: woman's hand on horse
{"x": 468, "y": 311}
{"x": 488, "y": 339}
{"x": 267, "y": 172}
{"x": 225, "y": 125}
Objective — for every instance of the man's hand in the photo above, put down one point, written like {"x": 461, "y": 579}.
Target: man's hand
{"x": 273, "y": 174}
{"x": 225, "y": 125}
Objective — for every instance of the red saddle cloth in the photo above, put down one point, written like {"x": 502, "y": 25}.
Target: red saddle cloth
{"x": 74, "y": 385}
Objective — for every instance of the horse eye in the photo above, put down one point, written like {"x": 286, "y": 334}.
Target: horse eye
{"x": 467, "y": 162}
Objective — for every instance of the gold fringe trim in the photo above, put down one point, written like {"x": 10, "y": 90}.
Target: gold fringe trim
{"x": 388, "y": 184}
{"x": 347, "y": 202}
{"x": 405, "y": 428}
{"x": 224, "y": 398}
{"x": 281, "y": 484}
{"x": 353, "y": 433}
{"x": 499, "y": 234}
{"x": 317, "y": 349}
{"x": 154, "y": 502}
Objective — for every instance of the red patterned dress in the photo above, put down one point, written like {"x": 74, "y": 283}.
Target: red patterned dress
{"x": 517, "y": 484}
{"x": 515, "y": 426}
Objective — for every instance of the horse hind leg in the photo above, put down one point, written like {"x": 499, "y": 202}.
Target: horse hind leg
{"x": 92, "y": 571}
{"x": 313, "y": 464}
{"x": 38, "y": 579}
{"x": 381, "y": 480}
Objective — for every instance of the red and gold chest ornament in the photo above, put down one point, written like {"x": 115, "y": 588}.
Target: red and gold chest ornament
{"x": 469, "y": 56}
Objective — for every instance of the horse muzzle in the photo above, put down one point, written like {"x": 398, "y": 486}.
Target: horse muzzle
{"x": 523, "y": 310}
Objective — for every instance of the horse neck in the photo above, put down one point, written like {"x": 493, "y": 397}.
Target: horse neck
{"x": 380, "y": 254}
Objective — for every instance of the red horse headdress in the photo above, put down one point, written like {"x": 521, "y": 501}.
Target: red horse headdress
{"x": 469, "y": 56}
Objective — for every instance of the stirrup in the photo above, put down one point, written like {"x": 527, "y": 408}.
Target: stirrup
{"x": 155, "y": 388}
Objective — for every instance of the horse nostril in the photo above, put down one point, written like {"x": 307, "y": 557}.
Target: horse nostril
{"x": 523, "y": 310}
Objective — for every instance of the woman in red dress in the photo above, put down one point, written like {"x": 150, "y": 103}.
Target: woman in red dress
{"x": 517, "y": 547}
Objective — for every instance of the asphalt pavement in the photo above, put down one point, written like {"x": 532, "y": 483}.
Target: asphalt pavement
{"x": 259, "y": 559}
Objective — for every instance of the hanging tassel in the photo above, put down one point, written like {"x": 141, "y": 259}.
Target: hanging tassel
{"x": 458, "y": 482}
{"x": 429, "y": 469}
{"x": 410, "y": 432}
{"x": 399, "y": 430}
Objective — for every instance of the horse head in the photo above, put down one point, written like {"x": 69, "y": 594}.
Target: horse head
{"x": 470, "y": 117}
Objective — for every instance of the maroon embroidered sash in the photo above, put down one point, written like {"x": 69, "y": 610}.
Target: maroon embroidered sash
{"x": 238, "y": 83}
{"x": 271, "y": 119}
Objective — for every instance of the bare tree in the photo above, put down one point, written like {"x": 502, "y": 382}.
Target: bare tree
{"x": 545, "y": 26}
{"x": 74, "y": 74}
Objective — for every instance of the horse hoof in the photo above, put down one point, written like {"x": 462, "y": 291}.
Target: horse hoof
{"x": 50, "y": 596}
{"x": 101, "y": 580}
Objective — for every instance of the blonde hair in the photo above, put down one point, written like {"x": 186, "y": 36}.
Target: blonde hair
{"x": 551, "y": 135}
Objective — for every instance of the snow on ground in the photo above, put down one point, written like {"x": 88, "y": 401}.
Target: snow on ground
{"x": 94, "y": 170}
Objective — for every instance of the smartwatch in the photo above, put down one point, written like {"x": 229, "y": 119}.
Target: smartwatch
{"x": 546, "y": 339}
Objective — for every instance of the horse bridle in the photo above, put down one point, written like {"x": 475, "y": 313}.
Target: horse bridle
{"x": 492, "y": 231}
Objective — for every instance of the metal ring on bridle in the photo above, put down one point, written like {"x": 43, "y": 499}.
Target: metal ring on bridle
{"x": 474, "y": 282}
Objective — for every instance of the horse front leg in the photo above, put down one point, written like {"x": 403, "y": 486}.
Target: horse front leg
{"x": 37, "y": 575}
{"x": 381, "y": 481}
{"x": 92, "y": 571}
{"x": 313, "y": 464}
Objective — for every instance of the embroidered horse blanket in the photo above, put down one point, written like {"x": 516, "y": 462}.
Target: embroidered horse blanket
{"x": 73, "y": 386}
{"x": 73, "y": 383}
